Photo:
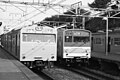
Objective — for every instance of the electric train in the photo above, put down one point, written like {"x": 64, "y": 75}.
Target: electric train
{"x": 33, "y": 45}
{"x": 73, "y": 45}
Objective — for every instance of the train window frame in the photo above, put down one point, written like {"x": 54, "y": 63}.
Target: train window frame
{"x": 117, "y": 41}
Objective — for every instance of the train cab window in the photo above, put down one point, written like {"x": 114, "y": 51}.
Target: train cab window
{"x": 68, "y": 38}
{"x": 50, "y": 38}
{"x": 81, "y": 39}
{"x": 39, "y": 38}
{"x": 116, "y": 41}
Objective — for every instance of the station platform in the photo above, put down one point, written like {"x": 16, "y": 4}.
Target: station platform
{"x": 108, "y": 56}
{"x": 12, "y": 69}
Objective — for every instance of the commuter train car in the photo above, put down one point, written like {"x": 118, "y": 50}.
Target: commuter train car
{"x": 33, "y": 45}
{"x": 99, "y": 42}
{"x": 73, "y": 45}
{"x": 108, "y": 52}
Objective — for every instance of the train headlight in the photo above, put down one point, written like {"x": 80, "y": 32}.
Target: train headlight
{"x": 87, "y": 51}
{"x": 52, "y": 57}
{"x": 66, "y": 51}
{"x": 23, "y": 57}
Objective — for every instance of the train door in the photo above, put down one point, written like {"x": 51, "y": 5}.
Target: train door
{"x": 92, "y": 43}
{"x": 16, "y": 45}
{"x": 11, "y": 43}
{"x": 109, "y": 44}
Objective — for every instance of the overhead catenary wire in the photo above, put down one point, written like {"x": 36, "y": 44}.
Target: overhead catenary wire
{"x": 37, "y": 14}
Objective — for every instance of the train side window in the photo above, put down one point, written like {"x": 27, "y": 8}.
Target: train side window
{"x": 98, "y": 41}
{"x": 111, "y": 41}
{"x": 94, "y": 40}
{"x": 116, "y": 41}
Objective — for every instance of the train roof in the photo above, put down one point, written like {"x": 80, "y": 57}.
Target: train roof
{"x": 109, "y": 32}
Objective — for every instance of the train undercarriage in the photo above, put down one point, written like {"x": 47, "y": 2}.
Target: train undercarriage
{"x": 73, "y": 61}
{"x": 39, "y": 64}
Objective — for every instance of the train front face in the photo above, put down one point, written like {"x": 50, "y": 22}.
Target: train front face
{"x": 39, "y": 45}
{"x": 77, "y": 44}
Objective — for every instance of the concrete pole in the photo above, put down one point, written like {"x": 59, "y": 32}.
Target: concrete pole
{"x": 107, "y": 35}
{"x": 83, "y": 23}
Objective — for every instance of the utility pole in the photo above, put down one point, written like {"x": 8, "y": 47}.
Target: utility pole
{"x": 83, "y": 23}
{"x": 107, "y": 35}
{"x": 74, "y": 21}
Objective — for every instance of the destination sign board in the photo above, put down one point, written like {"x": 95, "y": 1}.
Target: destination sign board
{"x": 77, "y": 33}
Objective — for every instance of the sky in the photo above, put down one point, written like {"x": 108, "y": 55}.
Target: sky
{"x": 84, "y": 2}
{"x": 12, "y": 13}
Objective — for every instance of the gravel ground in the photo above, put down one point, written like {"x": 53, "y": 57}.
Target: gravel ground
{"x": 63, "y": 74}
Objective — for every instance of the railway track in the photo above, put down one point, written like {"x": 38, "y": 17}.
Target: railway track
{"x": 59, "y": 73}
{"x": 42, "y": 74}
{"x": 73, "y": 73}
{"x": 90, "y": 73}
{"x": 93, "y": 74}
